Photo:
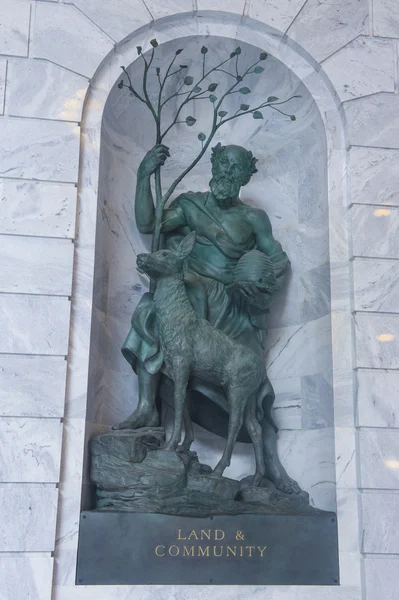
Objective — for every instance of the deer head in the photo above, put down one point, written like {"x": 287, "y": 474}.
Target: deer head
{"x": 164, "y": 263}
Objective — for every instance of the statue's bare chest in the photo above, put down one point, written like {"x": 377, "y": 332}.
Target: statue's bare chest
{"x": 235, "y": 224}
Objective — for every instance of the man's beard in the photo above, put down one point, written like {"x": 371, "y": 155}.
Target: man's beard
{"x": 224, "y": 189}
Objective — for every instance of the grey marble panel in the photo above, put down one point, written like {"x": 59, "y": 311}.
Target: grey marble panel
{"x": 374, "y": 121}
{"x": 315, "y": 293}
{"x": 375, "y": 231}
{"x": 377, "y": 398}
{"x": 36, "y": 265}
{"x": 386, "y": 18}
{"x": 299, "y": 350}
{"x": 379, "y": 459}
{"x": 26, "y": 576}
{"x": 218, "y": 592}
{"x": 233, "y": 6}
{"x": 380, "y": 516}
{"x": 66, "y": 37}
{"x": 365, "y": 66}
{"x": 15, "y": 17}
{"x": 167, "y": 8}
{"x": 109, "y": 17}
{"x": 373, "y": 176}
{"x": 377, "y": 341}
{"x": 317, "y": 402}
{"x": 44, "y": 90}
{"x": 279, "y": 13}
{"x": 34, "y": 324}
{"x": 3, "y": 67}
{"x": 381, "y": 578}
{"x": 30, "y": 449}
{"x": 323, "y": 27}
{"x": 376, "y": 284}
{"x": 33, "y": 507}
{"x": 32, "y": 386}
{"x": 287, "y": 405}
{"x": 35, "y": 149}
{"x": 37, "y": 208}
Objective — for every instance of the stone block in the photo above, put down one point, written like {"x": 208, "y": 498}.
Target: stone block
{"x": 32, "y": 386}
{"x": 35, "y": 149}
{"x": 30, "y": 449}
{"x": 64, "y": 35}
{"x": 375, "y": 231}
{"x": 33, "y": 265}
{"x": 377, "y": 398}
{"x": 377, "y": 341}
{"x": 323, "y": 27}
{"x": 40, "y": 89}
{"x": 376, "y": 285}
{"x": 14, "y": 27}
{"x": 38, "y": 208}
{"x": 34, "y": 324}
{"x": 33, "y": 507}
{"x": 373, "y": 121}
{"x": 373, "y": 176}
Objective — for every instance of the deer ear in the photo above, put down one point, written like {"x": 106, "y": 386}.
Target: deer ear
{"x": 186, "y": 245}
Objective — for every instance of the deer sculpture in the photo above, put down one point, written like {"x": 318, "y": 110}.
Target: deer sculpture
{"x": 192, "y": 346}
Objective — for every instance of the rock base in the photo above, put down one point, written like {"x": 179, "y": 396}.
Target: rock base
{"x": 132, "y": 473}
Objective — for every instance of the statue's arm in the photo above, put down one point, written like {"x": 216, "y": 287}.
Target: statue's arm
{"x": 144, "y": 203}
{"x": 269, "y": 246}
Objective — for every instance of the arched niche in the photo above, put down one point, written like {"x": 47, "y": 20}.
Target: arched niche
{"x": 291, "y": 186}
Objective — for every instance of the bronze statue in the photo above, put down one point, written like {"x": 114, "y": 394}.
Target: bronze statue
{"x": 226, "y": 281}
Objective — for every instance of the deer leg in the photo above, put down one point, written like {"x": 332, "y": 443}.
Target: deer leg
{"x": 181, "y": 373}
{"x": 188, "y": 429}
{"x": 255, "y": 433}
{"x": 236, "y": 399}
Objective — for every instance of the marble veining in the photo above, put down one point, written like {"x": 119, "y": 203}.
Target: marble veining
{"x": 377, "y": 398}
{"x": 36, "y": 265}
{"x": 380, "y": 512}
{"x": 381, "y": 576}
{"x": 379, "y": 465}
{"x": 374, "y": 120}
{"x": 374, "y": 178}
{"x": 377, "y": 340}
{"x": 33, "y": 507}
{"x": 37, "y": 208}
{"x": 30, "y": 449}
{"x": 34, "y": 324}
{"x": 386, "y": 18}
{"x": 14, "y": 36}
{"x": 323, "y": 27}
{"x": 44, "y": 90}
{"x": 109, "y": 18}
{"x": 36, "y": 149}
{"x": 65, "y": 36}
{"x": 26, "y": 576}
{"x": 32, "y": 386}
{"x": 375, "y": 231}
{"x": 376, "y": 284}
{"x": 278, "y": 13}
{"x": 365, "y": 66}
{"x": 317, "y": 402}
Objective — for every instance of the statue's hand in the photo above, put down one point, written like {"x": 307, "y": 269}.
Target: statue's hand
{"x": 153, "y": 159}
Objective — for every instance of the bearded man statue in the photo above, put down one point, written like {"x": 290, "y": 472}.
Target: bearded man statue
{"x": 230, "y": 276}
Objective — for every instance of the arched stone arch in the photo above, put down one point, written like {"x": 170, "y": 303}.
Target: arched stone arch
{"x": 311, "y": 73}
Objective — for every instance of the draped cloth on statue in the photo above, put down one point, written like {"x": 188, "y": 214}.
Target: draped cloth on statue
{"x": 208, "y": 274}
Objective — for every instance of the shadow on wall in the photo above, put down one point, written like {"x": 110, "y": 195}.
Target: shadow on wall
{"x": 291, "y": 187}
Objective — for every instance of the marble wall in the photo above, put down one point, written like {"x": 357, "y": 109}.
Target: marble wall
{"x": 346, "y": 54}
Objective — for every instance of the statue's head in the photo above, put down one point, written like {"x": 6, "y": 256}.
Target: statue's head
{"x": 232, "y": 167}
